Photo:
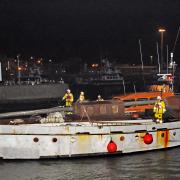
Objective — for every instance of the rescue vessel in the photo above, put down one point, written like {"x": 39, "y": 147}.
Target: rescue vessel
{"x": 164, "y": 88}
{"x": 147, "y": 97}
{"x": 94, "y": 128}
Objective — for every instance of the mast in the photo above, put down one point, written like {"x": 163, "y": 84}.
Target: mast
{"x": 172, "y": 67}
{"x": 0, "y": 72}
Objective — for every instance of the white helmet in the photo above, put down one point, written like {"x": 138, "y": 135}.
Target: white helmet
{"x": 82, "y": 93}
{"x": 99, "y": 96}
{"x": 68, "y": 90}
{"x": 158, "y": 97}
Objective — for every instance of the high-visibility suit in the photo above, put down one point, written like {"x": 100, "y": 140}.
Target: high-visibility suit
{"x": 81, "y": 97}
{"x": 100, "y": 98}
{"x": 68, "y": 97}
{"x": 159, "y": 109}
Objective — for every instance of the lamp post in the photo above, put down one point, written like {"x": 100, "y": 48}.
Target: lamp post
{"x": 161, "y": 30}
{"x": 19, "y": 70}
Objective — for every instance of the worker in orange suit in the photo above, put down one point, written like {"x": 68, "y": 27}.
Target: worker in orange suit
{"x": 159, "y": 109}
{"x": 68, "y": 97}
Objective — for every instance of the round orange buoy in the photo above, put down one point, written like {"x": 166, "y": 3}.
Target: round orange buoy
{"x": 148, "y": 138}
{"x": 112, "y": 147}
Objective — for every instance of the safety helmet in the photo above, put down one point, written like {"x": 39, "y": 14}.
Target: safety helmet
{"x": 68, "y": 90}
{"x": 158, "y": 97}
{"x": 82, "y": 93}
{"x": 99, "y": 96}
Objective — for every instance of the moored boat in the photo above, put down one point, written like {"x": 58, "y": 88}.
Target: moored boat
{"x": 22, "y": 97}
{"x": 102, "y": 74}
{"x": 87, "y": 134}
{"x": 147, "y": 99}
{"x": 37, "y": 141}
{"x": 163, "y": 88}
{"x": 28, "y": 86}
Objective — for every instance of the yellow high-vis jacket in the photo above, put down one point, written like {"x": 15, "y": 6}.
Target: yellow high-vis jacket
{"x": 159, "y": 107}
{"x": 68, "y": 97}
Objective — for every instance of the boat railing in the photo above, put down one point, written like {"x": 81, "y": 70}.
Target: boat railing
{"x": 34, "y": 112}
{"x": 60, "y": 108}
{"x": 133, "y": 103}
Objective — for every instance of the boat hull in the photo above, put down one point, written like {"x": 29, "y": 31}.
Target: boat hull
{"x": 36, "y": 141}
{"x": 22, "y": 97}
{"x": 21, "y": 93}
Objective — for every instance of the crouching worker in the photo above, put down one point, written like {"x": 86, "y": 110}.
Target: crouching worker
{"x": 99, "y": 98}
{"x": 159, "y": 109}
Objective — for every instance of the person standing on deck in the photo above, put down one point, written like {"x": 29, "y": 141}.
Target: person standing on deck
{"x": 68, "y": 97}
{"x": 159, "y": 109}
{"x": 99, "y": 98}
{"x": 81, "y": 97}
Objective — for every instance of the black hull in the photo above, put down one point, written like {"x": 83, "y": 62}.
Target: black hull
{"x": 25, "y": 97}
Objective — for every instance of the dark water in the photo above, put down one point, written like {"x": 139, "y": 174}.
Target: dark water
{"x": 155, "y": 165}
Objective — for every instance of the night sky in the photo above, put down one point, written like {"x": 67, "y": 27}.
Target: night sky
{"x": 88, "y": 29}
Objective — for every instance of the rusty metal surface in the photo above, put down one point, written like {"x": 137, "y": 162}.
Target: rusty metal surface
{"x": 173, "y": 102}
{"x": 173, "y": 106}
{"x": 111, "y": 109}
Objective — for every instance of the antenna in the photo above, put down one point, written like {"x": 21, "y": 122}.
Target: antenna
{"x": 142, "y": 66}
{"x": 0, "y": 72}
{"x": 173, "y": 50}
{"x": 167, "y": 57}
{"x": 172, "y": 66}
{"x": 124, "y": 87}
{"x": 134, "y": 86}
{"x": 157, "y": 47}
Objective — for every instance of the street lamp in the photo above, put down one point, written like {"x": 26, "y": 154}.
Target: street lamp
{"x": 161, "y": 30}
{"x": 19, "y": 69}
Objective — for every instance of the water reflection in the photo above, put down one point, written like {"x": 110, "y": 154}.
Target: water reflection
{"x": 151, "y": 165}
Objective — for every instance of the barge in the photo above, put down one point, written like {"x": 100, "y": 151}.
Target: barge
{"x": 99, "y": 128}
{"x": 23, "y": 97}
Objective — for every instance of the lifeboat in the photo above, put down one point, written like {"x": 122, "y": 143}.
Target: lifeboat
{"x": 149, "y": 96}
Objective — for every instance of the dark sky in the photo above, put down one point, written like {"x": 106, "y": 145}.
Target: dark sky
{"x": 87, "y": 28}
